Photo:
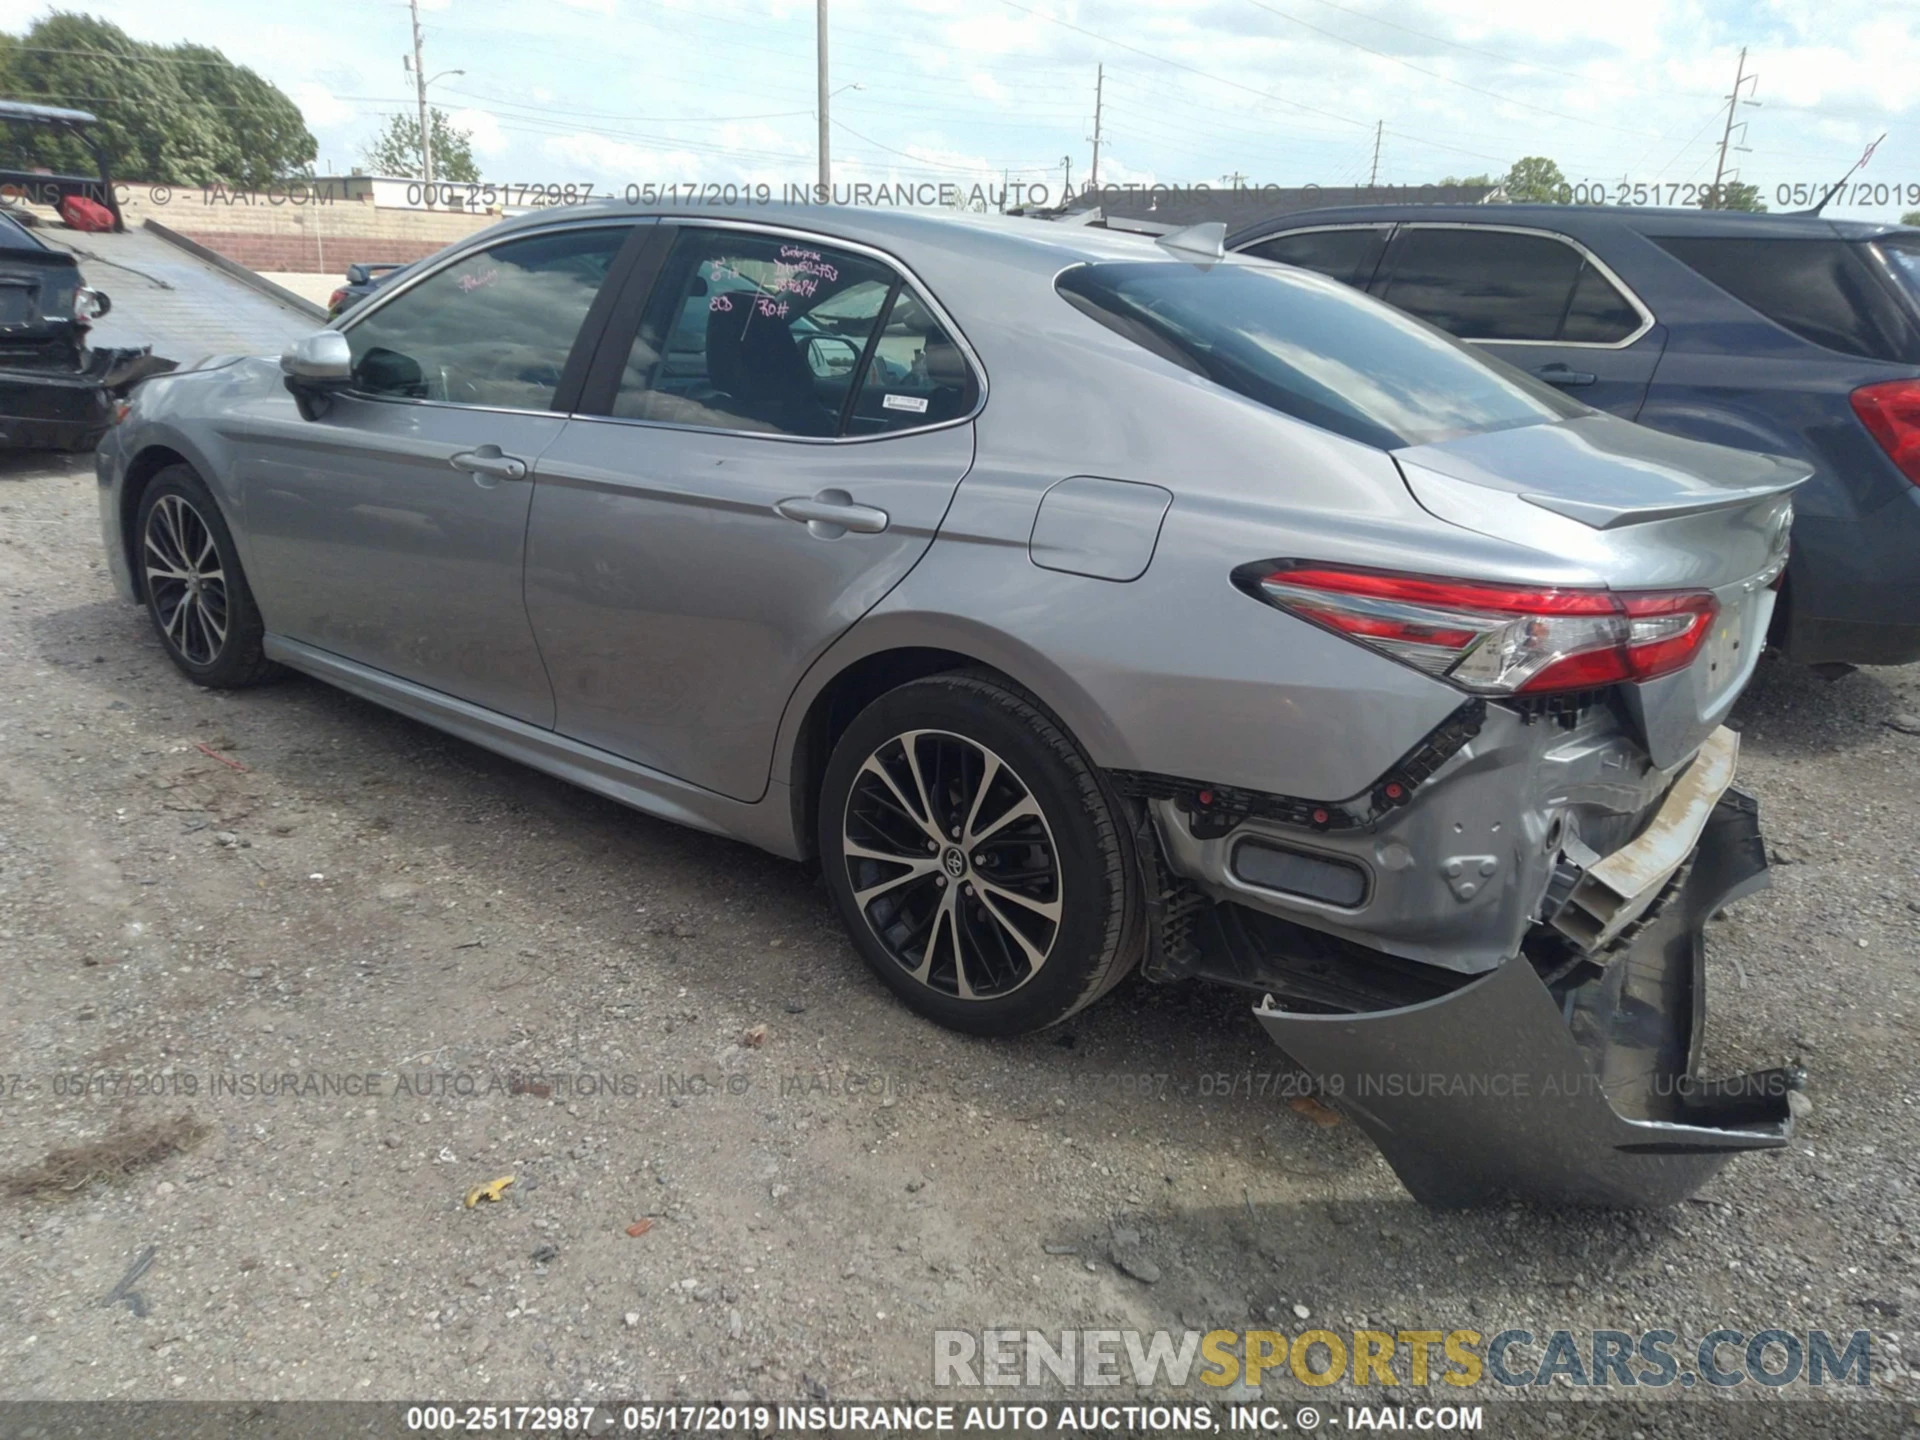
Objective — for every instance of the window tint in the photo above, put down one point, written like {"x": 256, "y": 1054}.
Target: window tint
{"x": 1599, "y": 314}
{"x": 1497, "y": 285}
{"x": 1902, "y": 254}
{"x": 1822, "y": 290}
{"x": 916, "y": 376}
{"x": 753, "y": 332}
{"x": 493, "y": 329}
{"x": 1336, "y": 254}
{"x": 1313, "y": 349}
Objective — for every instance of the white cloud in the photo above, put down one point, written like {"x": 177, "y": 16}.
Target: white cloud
{"x": 319, "y": 106}
{"x": 483, "y": 127}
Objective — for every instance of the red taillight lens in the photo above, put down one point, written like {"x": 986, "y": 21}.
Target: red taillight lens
{"x": 336, "y": 299}
{"x": 1500, "y": 639}
{"x": 1891, "y": 413}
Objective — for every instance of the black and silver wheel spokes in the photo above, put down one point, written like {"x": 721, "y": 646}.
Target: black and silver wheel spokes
{"x": 185, "y": 579}
{"x": 952, "y": 864}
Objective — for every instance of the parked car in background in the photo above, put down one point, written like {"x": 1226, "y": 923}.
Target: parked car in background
{"x": 362, "y": 281}
{"x": 1788, "y": 334}
{"x": 1079, "y": 602}
{"x": 57, "y": 392}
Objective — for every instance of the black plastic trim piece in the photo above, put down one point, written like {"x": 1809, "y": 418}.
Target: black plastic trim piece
{"x": 1215, "y": 810}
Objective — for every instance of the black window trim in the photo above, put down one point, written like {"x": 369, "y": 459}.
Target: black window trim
{"x": 586, "y": 340}
{"x": 1387, "y": 227}
{"x": 905, "y": 280}
{"x": 1606, "y": 272}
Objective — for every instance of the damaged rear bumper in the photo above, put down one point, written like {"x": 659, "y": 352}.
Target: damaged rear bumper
{"x": 69, "y": 409}
{"x": 1557, "y": 1077}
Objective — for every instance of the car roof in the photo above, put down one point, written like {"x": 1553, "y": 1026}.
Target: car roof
{"x": 1574, "y": 219}
{"x": 1007, "y": 238}
{"x": 16, "y": 237}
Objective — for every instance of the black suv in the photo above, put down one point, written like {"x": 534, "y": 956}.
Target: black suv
{"x": 1790, "y": 334}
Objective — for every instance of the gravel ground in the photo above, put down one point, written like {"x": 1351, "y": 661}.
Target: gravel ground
{"x": 818, "y": 1179}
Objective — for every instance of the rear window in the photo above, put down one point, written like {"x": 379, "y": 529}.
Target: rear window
{"x": 1824, "y": 291}
{"x": 1313, "y": 349}
{"x": 1902, "y": 254}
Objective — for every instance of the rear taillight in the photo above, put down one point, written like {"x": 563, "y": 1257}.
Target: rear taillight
{"x": 1500, "y": 639}
{"x": 336, "y": 300}
{"x": 1891, "y": 413}
{"x": 88, "y": 305}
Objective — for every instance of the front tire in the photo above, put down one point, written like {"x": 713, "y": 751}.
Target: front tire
{"x": 197, "y": 594}
{"x": 982, "y": 866}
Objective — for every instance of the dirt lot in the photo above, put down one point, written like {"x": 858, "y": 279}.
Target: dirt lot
{"x": 827, "y": 1179}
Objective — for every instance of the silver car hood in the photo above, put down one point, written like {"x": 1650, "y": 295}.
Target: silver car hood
{"x": 1637, "y": 510}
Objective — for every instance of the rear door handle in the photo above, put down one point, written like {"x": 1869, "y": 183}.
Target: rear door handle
{"x": 831, "y": 514}
{"x": 1558, "y": 374}
{"x": 489, "y": 461}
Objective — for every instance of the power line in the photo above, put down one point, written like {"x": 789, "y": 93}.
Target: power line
{"x": 1177, "y": 65}
{"x": 1448, "y": 79}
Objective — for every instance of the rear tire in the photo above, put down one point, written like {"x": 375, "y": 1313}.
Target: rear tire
{"x": 197, "y": 594}
{"x": 981, "y": 864}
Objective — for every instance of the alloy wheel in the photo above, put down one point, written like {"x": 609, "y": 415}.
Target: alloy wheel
{"x": 185, "y": 579}
{"x": 952, "y": 864}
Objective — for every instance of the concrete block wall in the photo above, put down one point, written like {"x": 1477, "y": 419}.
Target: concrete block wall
{"x": 266, "y": 232}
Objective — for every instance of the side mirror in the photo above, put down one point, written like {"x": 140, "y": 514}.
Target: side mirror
{"x": 314, "y": 367}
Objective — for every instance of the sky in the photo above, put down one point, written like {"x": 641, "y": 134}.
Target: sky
{"x": 1285, "y": 92}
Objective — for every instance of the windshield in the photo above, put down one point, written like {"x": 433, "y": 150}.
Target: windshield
{"x": 1314, "y": 349}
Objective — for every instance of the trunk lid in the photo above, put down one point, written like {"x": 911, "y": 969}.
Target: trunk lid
{"x": 1639, "y": 510}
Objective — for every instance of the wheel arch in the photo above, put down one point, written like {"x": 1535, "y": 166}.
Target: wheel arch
{"x": 900, "y": 649}
{"x": 148, "y": 462}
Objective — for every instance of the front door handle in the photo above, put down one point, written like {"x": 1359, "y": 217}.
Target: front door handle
{"x": 1557, "y": 374}
{"x": 489, "y": 461}
{"x": 831, "y": 514}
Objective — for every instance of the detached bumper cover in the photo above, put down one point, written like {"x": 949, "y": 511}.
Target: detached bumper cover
{"x": 1580, "y": 1090}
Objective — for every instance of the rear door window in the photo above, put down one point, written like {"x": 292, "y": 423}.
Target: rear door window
{"x": 784, "y": 336}
{"x": 1486, "y": 284}
{"x": 1347, "y": 255}
{"x": 493, "y": 329}
{"x": 916, "y": 374}
{"x": 1824, "y": 291}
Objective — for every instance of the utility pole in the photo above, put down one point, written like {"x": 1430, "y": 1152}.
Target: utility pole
{"x": 1373, "y": 175}
{"x": 1099, "y": 85}
{"x": 1066, "y": 184}
{"x": 1715, "y": 199}
{"x": 420, "y": 89}
{"x": 826, "y": 148}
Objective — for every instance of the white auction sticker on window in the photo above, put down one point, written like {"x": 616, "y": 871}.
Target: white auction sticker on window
{"x": 915, "y": 403}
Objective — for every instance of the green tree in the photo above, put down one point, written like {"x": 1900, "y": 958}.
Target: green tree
{"x": 1912, "y": 217}
{"x": 1535, "y": 178}
{"x": 1736, "y": 196}
{"x": 1467, "y": 180}
{"x": 395, "y": 150}
{"x": 178, "y": 113}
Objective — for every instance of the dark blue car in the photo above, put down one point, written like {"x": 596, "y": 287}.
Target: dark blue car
{"x": 1790, "y": 334}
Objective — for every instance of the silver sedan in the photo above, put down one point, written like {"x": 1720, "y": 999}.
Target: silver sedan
{"x": 1081, "y": 603}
